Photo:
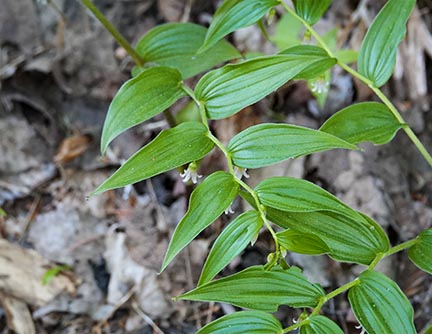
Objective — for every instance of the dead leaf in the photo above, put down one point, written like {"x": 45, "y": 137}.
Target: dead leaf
{"x": 21, "y": 273}
{"x": 18, "y": 316}
{"x": 71, "y": 148}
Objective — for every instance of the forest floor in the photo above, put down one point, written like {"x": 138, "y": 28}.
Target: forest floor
{"x": 59, "y": 70}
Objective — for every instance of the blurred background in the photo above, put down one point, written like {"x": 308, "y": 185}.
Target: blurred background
{"x": 70, "y": 265}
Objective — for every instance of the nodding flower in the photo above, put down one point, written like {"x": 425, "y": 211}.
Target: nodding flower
{"x": 229, "y": 210}
{"x": 320, "y": 85}
{"x": 240, "y": 172}
{"x": 191, "y": 173}
{"x": 363, "y": 330}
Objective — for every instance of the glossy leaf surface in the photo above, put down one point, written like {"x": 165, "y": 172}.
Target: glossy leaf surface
{"x": 297, "y": 195}
{"x": 380, "y": 306}
{"x": 421, "y": 253}
{"x": 212, "y": 197}
{"x": 233, "y": 15}
{"x": 363, "y": 122}
{"x": 349, "y": 240}
{"x": 176, "y": 45}
{"x": 315, "y": 69}
{"x": 377, "y": 57}
{"x": 139, "y": 99}
{"x": 258, "y": 289}
{"x": 227, "y": 90}
{"x": 321, "y": 325}
{"x": 230, "y": 243}
{"x": 170, "y": 149}
{"x": 311, "y": 10}
{"x": 251, "y": 322}
{"x": 302, "y": 243}
{"x": 266, "y": 144}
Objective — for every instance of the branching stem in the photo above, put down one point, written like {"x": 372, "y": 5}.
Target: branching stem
{"x": 230, "y": 164}
{"x": 365, "y": 80}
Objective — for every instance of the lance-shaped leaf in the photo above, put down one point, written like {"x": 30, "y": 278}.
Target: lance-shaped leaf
{"x": 266, "y": 144}
{"x": 311, "y": 10}
{"x": 315, "y": 69}
{"x": 259, "y": 289}
{"x": 139, "y": 99}
{"x": 231, "y": 242}
{"x": 233, "y": 15}
{"x": 297, "y": 195}
{"x": 380, "y": 306}
{"x": 302, "y": 243}
{"x": 363, "y": 122}
{"x": 227, "y": 90}
{"x": 377, "y": 57}
{"x": 349, "y": 240}
{"x": 170, "y": 149}
{"x": 176, "y": 44}
{"x": 321, "y": 325}
{"x": 212, "y": 197}
{"x": 250, "y": 322}
{"x": 421, "y": 253}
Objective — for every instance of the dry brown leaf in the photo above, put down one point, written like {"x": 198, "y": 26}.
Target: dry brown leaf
{"x": 18, "y": 316}
{"x": 71, "y": 148}
{"x": 21, "y": 273}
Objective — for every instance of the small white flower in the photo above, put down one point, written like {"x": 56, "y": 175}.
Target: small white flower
{"x": 191, "y": 173}
{"x": 229, "y": 210}
{"x": 240, "y": 172}
{"x": 320, "y": 86}
{"x": 360, "y": 327}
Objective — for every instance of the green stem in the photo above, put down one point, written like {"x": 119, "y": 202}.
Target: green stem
{"x": 401, "y": 247}
{"x": 365, "y": 80}
{"x": 321, "y": 303}
{"x": 114, "y": 32}
{"x": 375, "y": 261}
{"x": 296, "y": 325}
{"x": 261, "y": 210}
{"x": 230, "y": 164}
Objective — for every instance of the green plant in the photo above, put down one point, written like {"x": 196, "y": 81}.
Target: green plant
{"x": 309, "y": 220}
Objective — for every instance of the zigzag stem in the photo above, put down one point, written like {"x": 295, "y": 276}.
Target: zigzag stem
{"x": 365, "y": 80}
{"x": 230, "y": 164}
{"x": 349, "y": 285}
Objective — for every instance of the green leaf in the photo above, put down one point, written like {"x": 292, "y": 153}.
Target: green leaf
{"x": 139, "y": 99}
{"x": 231, "y": 242}
{"x": 281, "y": 38}
{"x": 311, "y": 10}
{"x": 266, "y": 144}
{"x": 368, "y": 121}
{"x": 421, "y": 253}
{"x": 233, "y": 15}
{"x": 380, "y": 306}
{"x": 321, "y": 325}
{"x": 258, "y": 289}
{"x": 176, "y": 44}
{"x": 250, "y": 322}
{"x": 2, "y": 213}
{"x": 212, "y": 197}
{"x": 296, "y": 195}
{"x": 315, "y": 69}
{"x": 189, "y": 113}
{"x": 170, "y": 149}
{"x": 347, "y": 56}
{"x": 377, "y": 57}
{"x": 53, "y": 272}
{"x": 229, "y": 89}
{"x": 302, "y": 243}
{"x": 349, "y": 240}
